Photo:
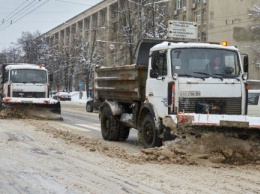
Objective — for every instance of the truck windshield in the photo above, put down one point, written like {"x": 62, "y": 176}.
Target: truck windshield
{"x": 28, "y": 76}
{"x": 197, "y": 62}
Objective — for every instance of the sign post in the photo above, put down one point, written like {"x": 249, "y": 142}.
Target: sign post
{"x": 80, "y": 86}
{"x": 182, "y": 29}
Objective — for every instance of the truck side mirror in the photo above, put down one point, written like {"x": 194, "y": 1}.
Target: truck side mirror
{"x": 245, "y": 63}
{"x": 51, "y": 77}
{"x": 154, "y": 61}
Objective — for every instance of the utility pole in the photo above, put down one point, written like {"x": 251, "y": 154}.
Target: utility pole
{"x": 89, "y": 69}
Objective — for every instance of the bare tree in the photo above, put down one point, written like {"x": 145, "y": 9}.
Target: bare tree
{"x": 137, "y": 20}
{"x": 254, "y": 12}
{"x": 11, "y": 55}
{"x": 31, "y": 46}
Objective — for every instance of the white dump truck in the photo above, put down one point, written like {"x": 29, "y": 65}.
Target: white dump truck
{"x": 173, "y": 89}
{"x": 26, "y": 86}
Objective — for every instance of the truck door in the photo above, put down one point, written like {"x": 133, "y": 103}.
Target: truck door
{"x": 157, "y": 82}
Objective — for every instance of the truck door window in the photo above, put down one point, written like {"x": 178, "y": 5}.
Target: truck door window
{"x": 159, "y": 63}
{"x": 253, "y": 98}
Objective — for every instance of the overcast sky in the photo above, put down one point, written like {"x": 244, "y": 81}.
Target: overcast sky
{"x": 17, "y": 16}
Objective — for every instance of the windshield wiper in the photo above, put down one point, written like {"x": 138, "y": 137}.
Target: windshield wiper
{"x": 36, "y": 82}
{"x": 227, "y": 76}
{"x": 217, "y": 75}
{"x": 188, "y": 75}
{"x": 202, "y": 73}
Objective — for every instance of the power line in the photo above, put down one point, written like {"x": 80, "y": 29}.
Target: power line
{"x": 73, "y": 2}
{"x": 14, "y": 10}
{"x": 24, "y": 15}
{"x": 10, "y": 18}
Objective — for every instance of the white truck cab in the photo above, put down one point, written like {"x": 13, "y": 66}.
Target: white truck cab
{"x": 184, "y": 70}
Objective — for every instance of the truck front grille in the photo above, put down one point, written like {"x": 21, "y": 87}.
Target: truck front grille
{"x": 29, "y": 94}
{"x": 230, "y": 106}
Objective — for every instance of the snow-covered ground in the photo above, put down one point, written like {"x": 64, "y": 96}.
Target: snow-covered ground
{"x": 75, "y": 96}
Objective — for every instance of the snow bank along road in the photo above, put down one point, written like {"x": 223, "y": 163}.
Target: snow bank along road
{"x": 52, "y": 157}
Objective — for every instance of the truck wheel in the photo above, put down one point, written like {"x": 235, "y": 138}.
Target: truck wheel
{"x": 89, "y": 107}
{"x": 124, "y": 133}
{"x": 149, "y": 133}
{"x": 109, "y": 126}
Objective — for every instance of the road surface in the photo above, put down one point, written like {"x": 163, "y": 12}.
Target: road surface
{"x": 59, "y": 157}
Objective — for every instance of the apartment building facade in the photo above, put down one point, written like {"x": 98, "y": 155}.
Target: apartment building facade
{"x": 108, "y": 32}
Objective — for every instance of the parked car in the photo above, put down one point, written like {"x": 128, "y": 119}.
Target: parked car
{"x": 52, "y": 93}
{"x": 62, "y": 96}
{"x": 91, "y": 105}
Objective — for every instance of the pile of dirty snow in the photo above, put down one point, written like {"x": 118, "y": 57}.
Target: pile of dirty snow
{"x": 213, "y": 148}
{"x": 29, "y": 113}
{"x": 206, "y": 150}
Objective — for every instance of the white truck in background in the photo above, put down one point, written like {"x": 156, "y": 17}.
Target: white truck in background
{"x": 26, "y": 86}
{"x": 171, "y": 90}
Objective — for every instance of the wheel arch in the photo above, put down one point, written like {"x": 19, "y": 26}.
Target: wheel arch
{"x": 115, "y": 107}
{"x": 145, "y": 109}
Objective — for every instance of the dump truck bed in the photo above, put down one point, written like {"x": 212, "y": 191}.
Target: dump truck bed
{"x": 123, "y": 83}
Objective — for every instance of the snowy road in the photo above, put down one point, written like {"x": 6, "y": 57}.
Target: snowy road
{"x": 54, "y": 157}
{"x": 31, "y": 163}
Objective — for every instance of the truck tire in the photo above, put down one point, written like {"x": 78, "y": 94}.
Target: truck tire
{"x": 89, "y": 107}
{"x": 109, "y": 125}
{"x": 124, "y": 133}
{"x": 149, "y": 133}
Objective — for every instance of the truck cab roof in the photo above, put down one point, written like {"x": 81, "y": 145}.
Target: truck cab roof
{"x": 144, "y": 46}
{"x": 169, "y": 45}
{"x": 23, "y": 66}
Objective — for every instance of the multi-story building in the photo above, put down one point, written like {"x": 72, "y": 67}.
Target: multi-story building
{"x": 107, "y": 32}
{"x": 220, "y": 20}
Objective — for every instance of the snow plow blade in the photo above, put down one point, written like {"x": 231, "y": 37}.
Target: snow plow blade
{"x": 238, "y": 126}
{"x": 40, "y": 108}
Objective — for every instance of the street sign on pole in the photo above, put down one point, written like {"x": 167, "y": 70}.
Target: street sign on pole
{"x": 182, "y": 29}
{"x": 80, "y": 85}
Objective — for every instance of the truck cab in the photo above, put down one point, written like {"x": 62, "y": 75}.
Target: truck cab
{"x": 181, "y": 79}
{"x": 25, "y": 81}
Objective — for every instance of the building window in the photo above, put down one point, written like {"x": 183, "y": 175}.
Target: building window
{"x": 164, "y": 9}
{"x": 184, "y": 18}
{"x": 197, "y": 17}
{"x": 178, "y": 4}
{"x": 204, "y": 16}
{"x": 184, "y": 3}
{"x": 203, "y": 36}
